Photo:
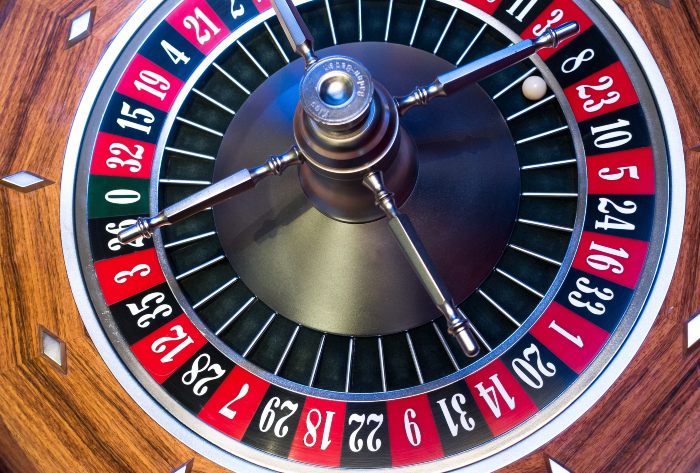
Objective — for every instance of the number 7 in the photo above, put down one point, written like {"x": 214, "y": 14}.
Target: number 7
{"x": 226, "y": 411}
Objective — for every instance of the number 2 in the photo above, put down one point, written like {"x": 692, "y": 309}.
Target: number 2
{"x": 236, "y": 12}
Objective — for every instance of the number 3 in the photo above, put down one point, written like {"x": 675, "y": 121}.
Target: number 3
{"x": 142, "y": 270}
{"x": 556, "y": 16}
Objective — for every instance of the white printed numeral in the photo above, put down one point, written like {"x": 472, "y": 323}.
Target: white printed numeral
{"x": 491, "y": 397}
{"x": 373, "y": 443}
{"x": 457, "y": 402}
{"x": 158, "y": 346}
{"x": 314, "y": 419}
{"x": 513, "y": 10}
{"x": 226, "y": 411}
{"x": 267, "y": 419}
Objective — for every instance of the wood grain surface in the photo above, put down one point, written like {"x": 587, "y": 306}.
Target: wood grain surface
{"x": 85, "y": 421}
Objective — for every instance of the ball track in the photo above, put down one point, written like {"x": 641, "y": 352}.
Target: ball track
{"x": 404, "y": 359}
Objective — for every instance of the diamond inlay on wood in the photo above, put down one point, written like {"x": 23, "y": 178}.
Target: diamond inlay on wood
{"x": 692, "y": 332}
{"x": 25, "y": 181}
{"x": 185, "y": 467}
{"x": 555, "y": 467}
{"x": 80, "y": 27}
{"x": 53, "y": 349}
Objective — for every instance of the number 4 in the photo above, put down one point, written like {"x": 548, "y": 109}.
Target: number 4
{"x": 175, "y": 54}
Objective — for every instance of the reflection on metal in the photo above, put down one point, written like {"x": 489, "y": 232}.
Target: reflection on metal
{"x": 454, "y": 80}
{"x": 184, "y": 182}
{"x": 330, "y": 22}
{"x": 388, "y": 20}
{"x": 260, "y": 334}
{"x": 189, "y": 240}
{"x": 514, "y": 83}
{"x": 450, "y": 162}
{"x": 214, "y": 101}
{"x": 444, "y": 31}
{"x": 422, "y": 265}
{"x": 235, "y": 315}
{"x": 199, "y": 126}
{"x": 520, "y": 283}
{"x": 348, "y": 368}
{"x": 415, "y": 27}
{"x": 215, "y": 293}
{"x": 532, "y": 107}
{"x": 551, "y": 164}
{"x": 295, "y": 29}
{"x": 498, "y": 307}
{"x": 231, "y": 78}
{"x": 534, "y": 254}
{"x": 199, "y": 267}
{"x": 471, "y": 44}
{"x": 283, "y": 358}
{"x": 190, "y": 154}
{"x": 444, "y": 344}
{"x": 552, "y": 195}
{"x": 312, "y": 378}
{"x": 252, "y": 59}
{"x": 233, "y": 185}
{"x": 382, "y": 367}
{"x": 414, "y": 358}
{"x": 539, "y": 136}
{"x": 548, "y": 226}
{"x": 359, "y": 20}
{"x": 277, "y": 43}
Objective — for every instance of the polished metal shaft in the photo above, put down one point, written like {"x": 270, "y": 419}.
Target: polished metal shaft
{"x": 400, "y": 225}
{"x": 295, "y": 30}
{"x": 475, "y": 71}
{"x": 224, "y": 189}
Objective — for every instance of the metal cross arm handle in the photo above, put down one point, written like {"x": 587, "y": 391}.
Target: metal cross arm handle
{"x": 295, "y": 29}
{"x": 486, "y": 66}
{"x": 224, "y": 189}
{"x": 400, "y": 225}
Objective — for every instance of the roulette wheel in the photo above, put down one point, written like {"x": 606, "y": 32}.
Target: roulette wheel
{"x": 416, "y": 235}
